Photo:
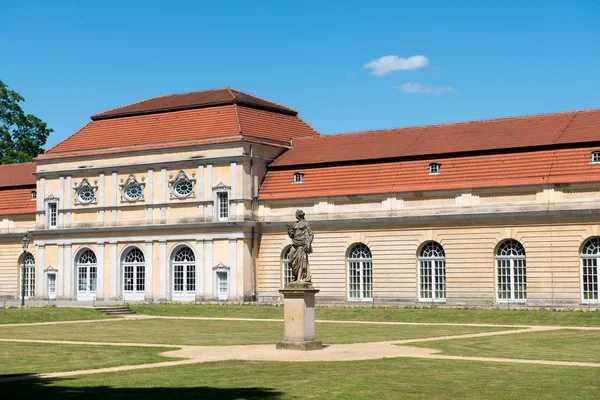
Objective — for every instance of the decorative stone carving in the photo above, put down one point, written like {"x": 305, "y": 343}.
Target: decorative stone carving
{"x": 85, "y": 192}
{"x": 182, "y": 187}
{"x": 132, "y": 190}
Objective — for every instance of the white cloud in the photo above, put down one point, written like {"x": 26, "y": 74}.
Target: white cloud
{"x": 387, "y": 64}
{"x": 416, "y": 87}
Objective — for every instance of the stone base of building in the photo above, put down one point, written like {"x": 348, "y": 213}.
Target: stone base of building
{"x": 300, "y": 345}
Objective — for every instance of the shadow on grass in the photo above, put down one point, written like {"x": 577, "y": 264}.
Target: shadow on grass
{"x": 52, "y": 389}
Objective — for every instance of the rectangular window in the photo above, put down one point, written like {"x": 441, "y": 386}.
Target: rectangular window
{"x": 33, "y": 195}
{"x": 298, "y": 177}
{"x": 223, "y": 205}
{"x": 52, "y": 215}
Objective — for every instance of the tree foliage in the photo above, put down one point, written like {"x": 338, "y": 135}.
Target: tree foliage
{"x": 21, "y": 136}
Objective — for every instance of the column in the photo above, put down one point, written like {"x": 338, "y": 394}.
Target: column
{"x": 61, "y": 191}
{"x": 163, "y": 194}
{"x": 149, "y": 293}
{"x": 150, "y": 195}
{"x": 41, "y": 206}
{"x": 209, "y": 194}
{"x": 208, "y": 270}
{"x": 199, "y": 269}
{"x": 101, "y": 202}
{"x": 233, "y": 195}
{"x": 41, "y": 287}
{"x": 114, "y": 272}
{"x": 63, "y": 276}
{"x": 233, "y": 269}
{"x": 100, "y": 272}
{"x": 114, "y": 198}
{"x": 162, "y": 254}
{"x": 200, "y": 184}
{"x": 68, "y": 203}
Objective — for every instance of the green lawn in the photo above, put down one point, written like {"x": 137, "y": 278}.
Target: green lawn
{"x": 561, "y": 345}
{"x": 28, "y": 315}
{"x": 398, "y": 378}
{"x": 32, "y": 358}
{"x": 436, "y": 315}
{"x": 208, "y": 332}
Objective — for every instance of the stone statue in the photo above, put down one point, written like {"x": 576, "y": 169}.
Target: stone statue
{"x": 302, "y": 237}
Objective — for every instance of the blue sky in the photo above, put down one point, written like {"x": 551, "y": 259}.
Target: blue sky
{"x": 450, "y": 60}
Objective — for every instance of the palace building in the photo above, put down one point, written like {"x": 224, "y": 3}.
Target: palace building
{"x": 185, "y": 198}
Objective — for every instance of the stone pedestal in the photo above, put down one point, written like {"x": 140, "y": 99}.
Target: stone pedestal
{"x": 299, "y": 318}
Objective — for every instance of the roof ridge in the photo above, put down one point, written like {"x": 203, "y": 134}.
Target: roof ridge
{"x": 476, "y": 121}
{"x": 263, "y": 99}
{"x": 156, "y": 97}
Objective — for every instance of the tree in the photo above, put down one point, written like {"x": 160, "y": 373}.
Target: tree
{"x": 21, "y": 136}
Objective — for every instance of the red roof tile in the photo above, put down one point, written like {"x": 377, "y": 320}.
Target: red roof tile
{"x": 180, "y": 128}
{"x": 17, "y": 174}
{"x": 571, "y": 165}
{"x": 17, "y": 201}
{"x": 495, "y": 134}
{"x": 183, "y": 101}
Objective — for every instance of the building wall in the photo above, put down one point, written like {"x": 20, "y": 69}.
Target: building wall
{"x": 552, "y": 261}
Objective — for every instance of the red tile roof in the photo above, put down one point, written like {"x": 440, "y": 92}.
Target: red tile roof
{"x": 17, "y": 174}
{"x": 567, "y": 165}
{"x": 496, "y": 134}
{"x": 219, "y": 124}
{"x": 191, "y": 100}
{"x": 16, "y": 201}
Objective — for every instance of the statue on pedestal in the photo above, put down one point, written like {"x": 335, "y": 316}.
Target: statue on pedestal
{"x": 302, "y": 237}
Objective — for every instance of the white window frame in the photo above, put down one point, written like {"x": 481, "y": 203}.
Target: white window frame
{"x": 286, "y": 267}
{"x": 138, "y": 268}
{"x": 33, "y": 195}
{"x": 49, "y": 206}
{"x": 221, "y": 188}
{"x": 590, "y": 257}
{"x": 437, "y": 263}
{"x": 187, "y": 294}
{"x": 434, "y": 168}
{"x": 29, "y": 276}
{"x": 364, "y": 264}
{"x": 83, "y": 185}
{"x": 298, "y": 177}
{"x": 595, "y": 157}
{"x": 513, "y": 261}
{"x": 220, "y": 268}
{"x": 130, "y": 181}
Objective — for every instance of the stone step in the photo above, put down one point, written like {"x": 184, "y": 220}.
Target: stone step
{"x": 115, "y": 310}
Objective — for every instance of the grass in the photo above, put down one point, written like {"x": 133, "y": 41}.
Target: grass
{"x": 561, "y": 345}
{"x": 207, "y": 332}
{"x": 381, "y": 379}
{"x": 32, "y": 315}
{"x": 435, "y": 315}
{"x": 35, "y": 358}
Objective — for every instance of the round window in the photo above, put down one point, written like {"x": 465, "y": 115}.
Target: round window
{"x": 183, "y": 188}
{"x": 133, "y": 191}
{"x": 86, "y": 194}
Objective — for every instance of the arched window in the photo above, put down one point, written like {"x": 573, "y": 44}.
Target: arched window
{"x": 134, "y": 275}
{"x": 28, "y": 271}
{"x": 184, "y": 274}
{"x": 286, "y": 267}
{"x": 87, "y": 274}
{"x": 511, "y": 276}
{"x": 590, "y": 258}
{"x": 432, "y": 272}
{"x": 360, "y": 273}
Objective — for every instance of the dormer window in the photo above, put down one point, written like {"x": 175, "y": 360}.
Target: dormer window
{"x": 33, "y": 195}
{"x": 595, "y": 157}
{"x": 434, "y": 168}
{"x": 298, "y": 177}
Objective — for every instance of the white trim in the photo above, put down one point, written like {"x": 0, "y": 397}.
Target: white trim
{"x": 135, "y": 295}
{"x": 208, "y": 256}
{"x": 87, "y": 295}
{"x": 199, "y": 269}
{"x": 51, "y": 295}
{"x": 220, "y": 269}
{"x": 232, "y": 282}
{"x": 143, "y": 238}
{"x": 149, "y": 271}
{"x": 361, "y": 269}
{"x": 162, "y": 257}
{"x": 100, "y": 271}
{"x": 185, "y": 295}
{"x": 421, "y": 259}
